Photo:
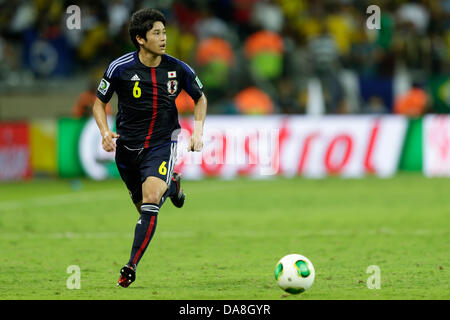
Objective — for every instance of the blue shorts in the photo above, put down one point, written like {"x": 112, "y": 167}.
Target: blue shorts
{"x": 136, "y": 165}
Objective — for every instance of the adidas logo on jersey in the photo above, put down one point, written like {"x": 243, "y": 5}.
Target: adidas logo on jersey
{"x": 135, "y": 78}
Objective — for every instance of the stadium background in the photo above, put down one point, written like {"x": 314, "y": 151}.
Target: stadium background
{"x": 254, "y": 57}
{"x": 376, "y": 99}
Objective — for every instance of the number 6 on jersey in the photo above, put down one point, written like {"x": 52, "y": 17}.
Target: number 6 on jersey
{"x": 136, "y": 90}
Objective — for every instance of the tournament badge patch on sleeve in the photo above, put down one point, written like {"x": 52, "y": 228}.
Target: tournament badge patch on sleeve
{"x": 172, "y": 86}
{"x": 200, "y": 84}
{"x": 103, "y": 86}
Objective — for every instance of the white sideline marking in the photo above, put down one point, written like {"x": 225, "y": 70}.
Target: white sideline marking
{"x": 60, "y": 199}
{"x": 89, "y": 235}
{"x": 192, "y": 234}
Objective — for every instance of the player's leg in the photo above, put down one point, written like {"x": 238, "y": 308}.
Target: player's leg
{"x": 153, "y": 169}
{"x": 177, "y": 195}
{"x": 127, "y": 165}
{"x": 162, "y": 165}
{"x": 156, "y": 168}
{"x": 172, "y": 179}
{"x": 152, "y": 190}
{"x": 144, "y": 229}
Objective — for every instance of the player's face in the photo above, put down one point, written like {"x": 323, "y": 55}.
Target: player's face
{"x": 156, "y": 39}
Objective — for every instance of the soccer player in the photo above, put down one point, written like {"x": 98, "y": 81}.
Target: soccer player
{"x": 147, "y": 81}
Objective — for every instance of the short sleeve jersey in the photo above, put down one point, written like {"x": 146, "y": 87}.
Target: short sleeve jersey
{"x": 147, "y": 115}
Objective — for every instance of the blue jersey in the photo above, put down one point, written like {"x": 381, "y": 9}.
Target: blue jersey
{"x": 147, "y": 115}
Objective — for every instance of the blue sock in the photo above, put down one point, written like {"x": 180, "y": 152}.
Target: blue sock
{"x": 143, "y": 233}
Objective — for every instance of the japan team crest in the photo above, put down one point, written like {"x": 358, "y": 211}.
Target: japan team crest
{"x": 172, "y": 86}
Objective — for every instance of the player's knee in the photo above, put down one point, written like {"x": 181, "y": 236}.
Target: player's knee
{"x": 151, "y": 197}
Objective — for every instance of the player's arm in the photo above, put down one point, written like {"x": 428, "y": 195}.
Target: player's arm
{"x": 200, "y": 108}
{"x": 105, "y": 91}
{"x": 102, "y": 123}
{"x": 194, "y": 88}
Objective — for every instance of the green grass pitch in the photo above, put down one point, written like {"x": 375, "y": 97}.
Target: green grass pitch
{"x": 225, "y": 242}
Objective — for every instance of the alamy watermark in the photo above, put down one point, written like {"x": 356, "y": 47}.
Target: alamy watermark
{"x": 374, "y": 280}
{"x": 374, "y": 20}
{"x": 73, "y": 21}
{"x": 74, "y": 280}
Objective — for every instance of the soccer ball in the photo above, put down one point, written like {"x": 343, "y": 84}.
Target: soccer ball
{"x": 294, "y": 273}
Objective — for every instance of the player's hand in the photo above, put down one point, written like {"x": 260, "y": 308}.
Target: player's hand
{"x": 196, "y": 143}
{"x": 108, "y": 143}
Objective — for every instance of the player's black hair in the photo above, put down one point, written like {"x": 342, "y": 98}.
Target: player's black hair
{"x": 141, "y": 21}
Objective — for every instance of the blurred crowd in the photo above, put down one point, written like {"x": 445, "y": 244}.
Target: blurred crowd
{"x": 253, "y": 56}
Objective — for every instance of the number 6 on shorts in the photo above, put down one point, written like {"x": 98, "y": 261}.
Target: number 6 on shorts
{"x": 162, "y": 168}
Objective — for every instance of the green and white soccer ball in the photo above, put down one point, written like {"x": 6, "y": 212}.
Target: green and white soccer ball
{"x": 294, "y": 273}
